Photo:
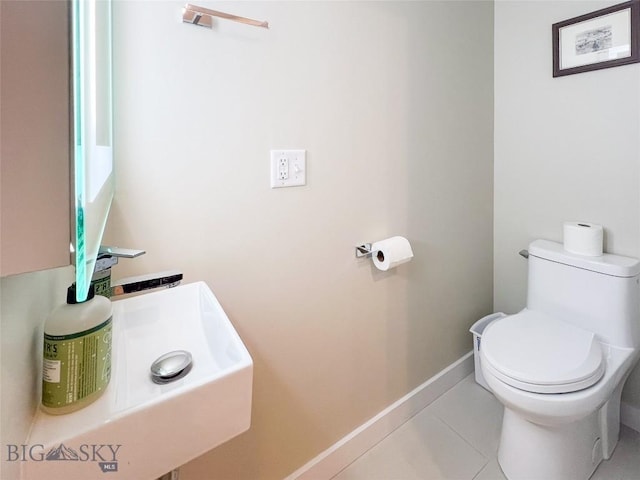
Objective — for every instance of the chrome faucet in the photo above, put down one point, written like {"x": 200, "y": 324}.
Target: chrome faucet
{"x": 108, "y": 257}
{"x": 140, "y": 283}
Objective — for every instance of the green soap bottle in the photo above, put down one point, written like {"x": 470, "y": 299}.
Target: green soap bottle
{"x": 76, "y": 353}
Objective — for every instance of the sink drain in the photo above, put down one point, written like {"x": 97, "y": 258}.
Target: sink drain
{"x": 171, "y": 366}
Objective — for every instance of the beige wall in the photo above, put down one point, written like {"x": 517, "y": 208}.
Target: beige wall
{"x": 393, "y": 103}
{"x": 565, "y": 149}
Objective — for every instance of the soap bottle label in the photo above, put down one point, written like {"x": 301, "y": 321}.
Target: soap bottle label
{"x": 101, "y": 282}
{"x": 76, "y": 365}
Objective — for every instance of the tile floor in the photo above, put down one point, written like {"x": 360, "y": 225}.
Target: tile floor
{"x": 456, "y": 438}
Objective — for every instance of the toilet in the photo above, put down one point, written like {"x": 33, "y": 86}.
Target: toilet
{"x": 559, "y": 365}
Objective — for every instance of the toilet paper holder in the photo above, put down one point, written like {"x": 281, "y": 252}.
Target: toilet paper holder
{"x": 364, "y": 250}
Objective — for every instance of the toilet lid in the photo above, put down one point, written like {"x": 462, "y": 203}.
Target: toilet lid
{"x": 534, "y": 352}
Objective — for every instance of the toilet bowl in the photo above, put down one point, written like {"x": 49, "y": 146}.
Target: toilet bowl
{"x": 559, "y": 365}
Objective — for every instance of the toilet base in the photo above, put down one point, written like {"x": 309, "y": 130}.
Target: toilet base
{"x": 570, "y": 451}
{"x": 553, "y": 449}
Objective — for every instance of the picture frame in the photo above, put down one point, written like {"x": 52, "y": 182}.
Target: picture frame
{"x": 602, "y": 39}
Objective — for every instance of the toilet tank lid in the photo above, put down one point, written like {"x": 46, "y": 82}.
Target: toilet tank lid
{"x": 608, "y": 264}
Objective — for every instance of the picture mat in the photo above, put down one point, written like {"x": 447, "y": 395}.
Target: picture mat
{"x": 620, "y": 25}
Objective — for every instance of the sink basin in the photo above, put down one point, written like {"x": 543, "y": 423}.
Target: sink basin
{"x": 140, "y": 429}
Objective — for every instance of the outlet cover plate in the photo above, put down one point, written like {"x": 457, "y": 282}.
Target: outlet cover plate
{"x": 288, "y": 168}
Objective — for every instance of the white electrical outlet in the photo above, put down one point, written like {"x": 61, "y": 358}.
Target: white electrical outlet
{"x": 283, "y": 167}
{"x": 288, "y": 168}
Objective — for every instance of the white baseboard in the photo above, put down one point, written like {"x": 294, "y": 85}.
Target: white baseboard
{"x": 342, "y": 453}
{"x": 630, "y": 416}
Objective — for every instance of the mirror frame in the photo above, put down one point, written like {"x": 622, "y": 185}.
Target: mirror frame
{"x": 91, "y": 58}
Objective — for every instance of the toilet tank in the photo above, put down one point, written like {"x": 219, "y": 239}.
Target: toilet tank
{"x": 600, "y": 294}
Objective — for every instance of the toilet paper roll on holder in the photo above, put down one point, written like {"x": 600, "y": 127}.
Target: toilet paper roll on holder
{"x": 379, "y": 251}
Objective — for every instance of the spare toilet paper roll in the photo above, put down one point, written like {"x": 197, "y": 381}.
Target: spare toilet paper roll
{"x": 391, "y": 252}
{"x": 583, "y": 238}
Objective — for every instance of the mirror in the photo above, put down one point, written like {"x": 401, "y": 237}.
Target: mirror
{"x": 92, "y": 132}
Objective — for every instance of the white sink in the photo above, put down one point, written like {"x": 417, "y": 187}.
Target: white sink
{"x": 157, "y": 427}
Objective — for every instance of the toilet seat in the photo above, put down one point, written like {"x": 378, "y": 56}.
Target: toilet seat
{"x": 536, "y": 353}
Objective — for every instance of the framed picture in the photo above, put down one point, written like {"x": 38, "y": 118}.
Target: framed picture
{"x": 601, "y": 39}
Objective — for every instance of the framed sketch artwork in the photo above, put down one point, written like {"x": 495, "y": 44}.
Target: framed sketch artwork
{"x": 601, "y": 39}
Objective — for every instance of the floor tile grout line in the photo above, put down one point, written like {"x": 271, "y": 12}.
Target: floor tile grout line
{"x": 486, "y": 465}
{"x": 385, "y": 437}
{"x": 461, "y": 435}
{"x": 423, "y": 409}
{"x": 488, "y": 460}
{"x": 389, "y": 434}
